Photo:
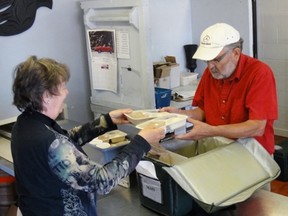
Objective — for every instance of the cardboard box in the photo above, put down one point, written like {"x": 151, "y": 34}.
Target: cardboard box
{"x": 174, "y": 76}
{"x": 161, "y": 70}
{"x": 167, "y": 75}
{"x": 171, "y": 59}
{"x": 163, "y": 82}
{"x": 216, "y": 172}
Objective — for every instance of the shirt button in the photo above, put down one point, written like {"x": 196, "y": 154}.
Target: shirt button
{"x": 223, "y": 101}
{"x": 222, "y": 117}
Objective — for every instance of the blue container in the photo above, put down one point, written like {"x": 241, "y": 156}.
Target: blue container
{"x": 162, "y": 97}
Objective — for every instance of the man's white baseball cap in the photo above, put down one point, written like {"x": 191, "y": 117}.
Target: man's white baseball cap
{"x": 213, "y": 39}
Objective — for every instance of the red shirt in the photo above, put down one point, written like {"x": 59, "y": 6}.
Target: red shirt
{"x": 249, "y": 93}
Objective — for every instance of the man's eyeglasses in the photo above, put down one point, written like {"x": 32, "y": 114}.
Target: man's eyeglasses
{"x": 218, "y": 59}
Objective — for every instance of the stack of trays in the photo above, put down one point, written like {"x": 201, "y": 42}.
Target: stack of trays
{"x": 104, "y": 148}
{"x": 139, "y": 116}
{"x": 111, "y": 138}
{"x": 173, "y": 123}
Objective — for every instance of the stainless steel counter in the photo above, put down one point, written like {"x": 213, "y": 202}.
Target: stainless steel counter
{"x": 123, "y": 201}
{"x": 126, "y": 202}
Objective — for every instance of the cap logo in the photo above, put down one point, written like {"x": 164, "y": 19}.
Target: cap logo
{"x": 206, "y": 40}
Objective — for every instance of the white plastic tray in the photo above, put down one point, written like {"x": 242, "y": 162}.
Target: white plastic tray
{"x": 171, "y": 122}
{"x": 139, "y": 116}
{"x": 111, "y": 137}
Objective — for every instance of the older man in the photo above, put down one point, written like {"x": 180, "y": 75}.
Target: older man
{"x": 236, "y": 96}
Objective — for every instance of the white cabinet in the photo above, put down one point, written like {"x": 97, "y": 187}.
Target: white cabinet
{"x": 155, "y": 29}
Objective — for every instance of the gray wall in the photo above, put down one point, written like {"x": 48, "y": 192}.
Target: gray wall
{"x": 59, "y": 34}
{"x": 171, "y": 30}
{"x": 272, "y": 41}
{"x": 237, "y": 13}
{"x": 273, "y": 49}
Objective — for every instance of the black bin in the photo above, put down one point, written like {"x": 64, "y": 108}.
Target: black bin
{"x": 281, "y": 157}
{"x": 163, "y": 195}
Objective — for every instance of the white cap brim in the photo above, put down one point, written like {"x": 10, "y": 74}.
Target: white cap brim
{"x": 207, "y": 54}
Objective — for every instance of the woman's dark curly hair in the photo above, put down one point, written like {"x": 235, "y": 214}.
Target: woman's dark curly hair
{"x": 35, "y": 76}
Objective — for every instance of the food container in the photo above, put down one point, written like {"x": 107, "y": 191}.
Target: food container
{"x": 103, "y": 155}
{"x": 187, "y": 78}
{"x": 140, "y": 116}
{"x": 112, "y": 137}
{"x": 170, "y": 122}
{"x": 104, "y": 148}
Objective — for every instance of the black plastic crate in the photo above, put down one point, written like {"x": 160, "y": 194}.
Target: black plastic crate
{"x": 163, "y": 195}
{"x": 281, "y": 157}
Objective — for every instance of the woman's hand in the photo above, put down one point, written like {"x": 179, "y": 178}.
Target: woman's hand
{"x": 118, "y": 116}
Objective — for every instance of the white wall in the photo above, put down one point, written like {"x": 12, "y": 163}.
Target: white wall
{"x": 59, "y": 34}
{"x": 273, "y": 49}
{"x": 272, "y": 42}
{"x": 170, "y": 30}
{"x": 237, "y": 13}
